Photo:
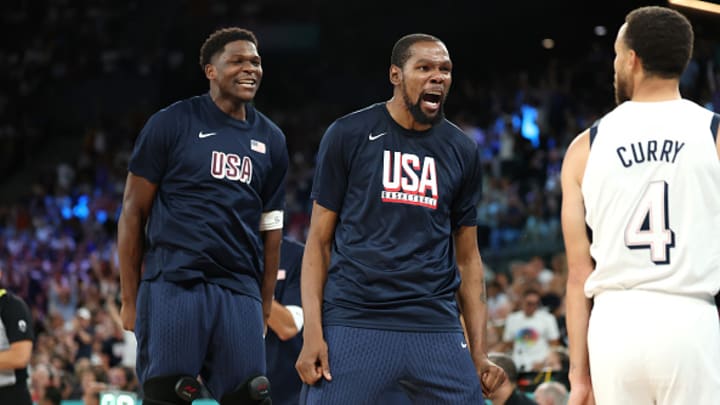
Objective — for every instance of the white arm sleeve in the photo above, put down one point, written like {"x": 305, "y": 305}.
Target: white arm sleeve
{"x": 272, "y": 220}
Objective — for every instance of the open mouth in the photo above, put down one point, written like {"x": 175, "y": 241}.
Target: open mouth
{"x": 431, "y": 100}
{"x": 249, "y": 83}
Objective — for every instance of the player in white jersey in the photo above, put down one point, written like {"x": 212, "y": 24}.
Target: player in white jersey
{"x": 640, "y": 215}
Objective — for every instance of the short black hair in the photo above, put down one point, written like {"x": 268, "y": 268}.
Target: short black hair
{"x": 401, "y": 49}
{"x": 662, "y": 38}
{"x": 53, "y": 395}
{"x": 506, "y": 363}
{"x": 216, "y": 42}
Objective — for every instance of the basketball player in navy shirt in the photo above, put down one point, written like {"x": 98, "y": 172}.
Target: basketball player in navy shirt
{"x": 203, "y": 207}
{"x": 391, "y": 256}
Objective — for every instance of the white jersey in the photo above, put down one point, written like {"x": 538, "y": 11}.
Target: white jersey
{"x": 652, "y": 198}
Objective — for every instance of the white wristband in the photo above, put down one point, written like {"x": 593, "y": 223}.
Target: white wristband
{"x": 272, "y": 220}
{"x": 297, "y": 314}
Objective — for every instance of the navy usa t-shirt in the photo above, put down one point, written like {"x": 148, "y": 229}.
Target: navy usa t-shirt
{"x": 398, "y": 194}
{"x": 216, "y": 175}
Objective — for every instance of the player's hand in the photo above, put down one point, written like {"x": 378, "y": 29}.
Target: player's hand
{"x": 312, "y": 363}
{"x": 580, "y": 390}
{"x": 581, "y": 394}
{"x": 127, "y": 315}
{"x": 491, "y": 376}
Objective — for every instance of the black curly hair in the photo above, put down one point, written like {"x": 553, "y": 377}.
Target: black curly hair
{"x": 662, "y": 38}
{"x": 216, "y": 42}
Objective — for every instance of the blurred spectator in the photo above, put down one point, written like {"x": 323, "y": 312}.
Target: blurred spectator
{"x": 53, "y": 396}
{"x": 530, "y": 332}
{"x": 92, "y": 383}
{"x": 557, "y": 360}
{"x": 508, "y": 394}
{"x": 551, "y": 393}
{"x": 123, "y": 379}
{"x": 498, "y": 303}
{"x": 84, "y": 333}
{"x": 40, "y": 380}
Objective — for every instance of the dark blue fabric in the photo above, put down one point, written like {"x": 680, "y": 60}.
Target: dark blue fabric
{"x": 216, "y": 175}
{"x": 191, "y": 328}
{"x": 593, "y": 132}
{"x": 399, "y": 195}
{"x": 369, "y": 366}
{"x": 281, "y": 356}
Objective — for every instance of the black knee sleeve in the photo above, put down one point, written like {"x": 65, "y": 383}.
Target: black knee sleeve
{"x": 170, "y": 390}
{"x": 254, "y": 391}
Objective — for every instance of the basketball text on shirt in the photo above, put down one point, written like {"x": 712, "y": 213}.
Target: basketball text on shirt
{"x": 405, "y": 181}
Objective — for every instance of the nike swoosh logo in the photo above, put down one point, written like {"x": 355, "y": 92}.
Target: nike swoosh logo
{"x": 374, "y": 137}
{"x": 206, "y": 134}
{"x": 463, "y": 345}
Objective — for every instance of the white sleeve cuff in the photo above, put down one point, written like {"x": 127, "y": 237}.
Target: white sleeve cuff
{"x": 297, "y": 314}
{"x": 272, "y": 220}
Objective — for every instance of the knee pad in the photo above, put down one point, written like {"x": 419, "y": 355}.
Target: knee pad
{"x": 254, "y": 391}
{"x": 170, "y": 390}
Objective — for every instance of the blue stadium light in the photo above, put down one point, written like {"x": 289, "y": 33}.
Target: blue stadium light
{"x": 81, "y": 209}
{"x": 529, "y": 128}
{"x": 101, "y": 216}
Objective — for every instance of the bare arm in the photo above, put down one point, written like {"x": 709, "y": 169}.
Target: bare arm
{"x": 271, "y": 242}
{"x": 313, "y": 362}
{"x": 471, "y": 294}
{"x": 473, "y": 303}
{"x": 17, "y": 356}
{"x": 137, "y": 202}
{"x": 282, "y": 322}
{"x": 580, "y": 263}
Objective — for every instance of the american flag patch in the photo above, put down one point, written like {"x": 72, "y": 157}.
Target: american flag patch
{"x": 257, "y": 146}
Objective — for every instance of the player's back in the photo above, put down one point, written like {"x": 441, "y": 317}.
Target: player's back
{"x": 652, "y": 196}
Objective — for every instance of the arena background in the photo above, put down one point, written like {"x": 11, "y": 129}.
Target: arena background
{"x": 79, "y": 79}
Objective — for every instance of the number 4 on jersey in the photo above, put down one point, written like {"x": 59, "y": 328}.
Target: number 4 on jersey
{"x": 648, "y": 227}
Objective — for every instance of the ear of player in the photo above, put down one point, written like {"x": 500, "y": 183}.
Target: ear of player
{"x": 182, "y": 390}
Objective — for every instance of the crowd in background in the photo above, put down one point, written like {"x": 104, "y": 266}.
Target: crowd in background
{"x": 57, "y": 237}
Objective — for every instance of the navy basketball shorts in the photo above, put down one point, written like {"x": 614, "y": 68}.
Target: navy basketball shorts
{"x": 192, "y": 328}
{"x": 368, "y": 364}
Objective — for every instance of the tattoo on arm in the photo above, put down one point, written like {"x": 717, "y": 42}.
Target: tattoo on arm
{"x": 483, "y": 295}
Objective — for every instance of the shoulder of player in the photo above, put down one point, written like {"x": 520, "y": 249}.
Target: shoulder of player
{"x": 180, "y": 106}
{"x": 170, "y": 115}
{"x": 12, "y": 302}
{"x": 455, "y": 133}
{"x": 575, "y": 160}
{"x": 359, "y": 117}
{"x": 356, "y": 124}
{"x": 579, "y": 148}
{"x": 266, "y": 121}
